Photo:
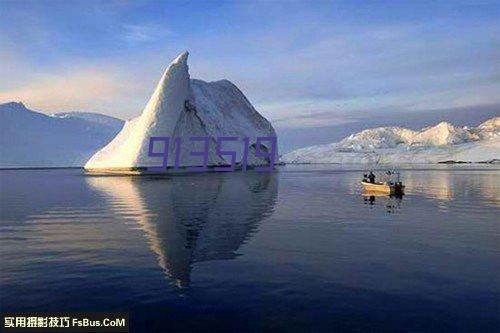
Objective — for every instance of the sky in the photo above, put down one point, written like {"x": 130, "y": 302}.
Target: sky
{"x": 303, "y": 64}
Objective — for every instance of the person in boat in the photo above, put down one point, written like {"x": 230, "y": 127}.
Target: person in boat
{"x": 371, "y": 177}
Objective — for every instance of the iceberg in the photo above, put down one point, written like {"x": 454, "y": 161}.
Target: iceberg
{"x": 442, "y": 143}
{"x": 181, "y": 107}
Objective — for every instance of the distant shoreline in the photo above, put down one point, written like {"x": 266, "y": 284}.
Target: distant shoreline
{"x": 39, "y": 168}
{"x": 455, "y": 163}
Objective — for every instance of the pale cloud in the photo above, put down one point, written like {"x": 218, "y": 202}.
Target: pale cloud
{"x": 311, "y": 120}
{"x": 83, "y": 89}
{"x": 140, "y": 33}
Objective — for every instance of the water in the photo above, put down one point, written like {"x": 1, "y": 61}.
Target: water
{"x": 295, "y": 250}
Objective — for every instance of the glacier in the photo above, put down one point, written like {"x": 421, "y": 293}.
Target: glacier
{"x": 442, "y": 143}
{"x": 181, "y": 107}
{"x": 30, "y": 139}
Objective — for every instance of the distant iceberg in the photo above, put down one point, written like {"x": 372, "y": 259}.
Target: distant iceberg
{"x": 185, "y": 108}
{"x": 442, "y": 143}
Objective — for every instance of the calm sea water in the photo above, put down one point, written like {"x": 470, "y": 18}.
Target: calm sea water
{"x": 299, "y": 249}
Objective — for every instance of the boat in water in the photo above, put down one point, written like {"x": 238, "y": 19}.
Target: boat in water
{"x": 388, "y": 187}
{"x": 385, "y": 187}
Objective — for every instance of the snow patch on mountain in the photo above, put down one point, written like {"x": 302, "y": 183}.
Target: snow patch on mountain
{"x": 185, "y": 108}
{"x": 92, "y": 117}
{"x": 436, "y": 144}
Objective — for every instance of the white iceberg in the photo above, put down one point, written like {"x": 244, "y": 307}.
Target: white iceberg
{"x": 185, "y": 108}
{"x": 442, "y": 143}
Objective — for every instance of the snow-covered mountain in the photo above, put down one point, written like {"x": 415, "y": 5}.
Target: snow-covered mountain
{"x": 440, "y": 143}
{"x": 92, "y": 117}
{"x": 33, "y": 139}
{"x": 377, "y": 138}
{"x": 488, "y": 129}
{"x": 182, "y": 107}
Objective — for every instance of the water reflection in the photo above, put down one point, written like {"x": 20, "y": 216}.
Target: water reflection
{"x": 326, "y": 256}
{"x": 437, "y": 185}
{"x": 447, "y": 185}
{"x": 189, "y": 219}
{"x": 392, "y": 202}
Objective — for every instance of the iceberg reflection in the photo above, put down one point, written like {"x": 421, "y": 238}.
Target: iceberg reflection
{"x": 192, "y": 218}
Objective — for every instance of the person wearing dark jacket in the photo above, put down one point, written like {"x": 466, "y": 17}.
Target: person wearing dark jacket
{"x": 371, "y": 177}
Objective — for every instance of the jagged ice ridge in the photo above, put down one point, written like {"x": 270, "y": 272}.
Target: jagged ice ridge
{"x": 436, "y": 144}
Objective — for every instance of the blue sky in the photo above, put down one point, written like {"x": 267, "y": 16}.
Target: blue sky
{"x": 301, "y": 63}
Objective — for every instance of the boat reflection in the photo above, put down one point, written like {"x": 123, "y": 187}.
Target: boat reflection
{"x": 193, "y": 218}
{"x": 392, "y": 202}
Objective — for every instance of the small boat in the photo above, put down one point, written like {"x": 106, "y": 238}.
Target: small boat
{"x": 389, "y": 187}
{"x": 385, "y": 188}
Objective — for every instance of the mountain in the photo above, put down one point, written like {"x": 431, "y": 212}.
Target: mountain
{"x": 33, "y": 139}
{"x": 354, "y": 121}
{"x": 442, "y": 134}
{"x": 183, "y": 107}
{"x": 488, "y": 129}
{"x": 440, "y": 143}
{"x": 382, "y": 137}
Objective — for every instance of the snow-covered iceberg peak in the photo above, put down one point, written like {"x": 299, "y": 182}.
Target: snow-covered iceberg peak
{"x": 158, "y": 118}
{"x": 185, "y": 108}
{"x": 167, "y": 100}
{"x": 165, "y": 105}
